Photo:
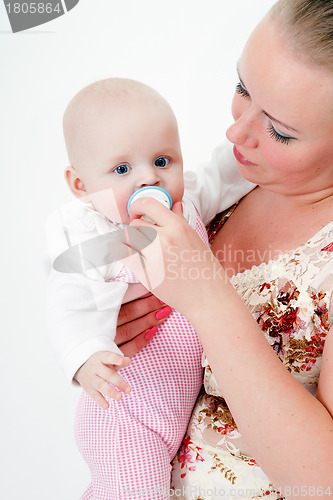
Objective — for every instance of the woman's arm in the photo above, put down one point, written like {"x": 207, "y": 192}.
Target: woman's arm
{"x": 325, "y": 391}
{"x": 289, "y": 432}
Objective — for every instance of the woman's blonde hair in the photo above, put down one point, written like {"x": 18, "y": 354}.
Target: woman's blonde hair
{"x": 308, "y": 25}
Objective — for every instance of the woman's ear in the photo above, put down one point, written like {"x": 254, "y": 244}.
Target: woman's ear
{"x": 75, "y": 184}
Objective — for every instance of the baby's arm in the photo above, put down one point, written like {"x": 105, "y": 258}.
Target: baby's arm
{"x": 82, "y": 309}
{"x": 101, "y": 368}
{"x": 79, "y": 326}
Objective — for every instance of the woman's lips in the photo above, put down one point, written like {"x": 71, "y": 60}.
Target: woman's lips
{"x": 241, "y": 159}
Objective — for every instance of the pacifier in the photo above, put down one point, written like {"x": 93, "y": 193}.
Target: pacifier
{"x": 155, "y": 192}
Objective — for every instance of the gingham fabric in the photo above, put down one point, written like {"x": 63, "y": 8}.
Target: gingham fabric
{"x": 128, "y": 447}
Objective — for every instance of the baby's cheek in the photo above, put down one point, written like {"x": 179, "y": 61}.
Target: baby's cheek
{"x": 122, "y": 200}
{"x": 177, "y": 192}
{"x": 178, "y": 196}
{"x": 106, "y": 201}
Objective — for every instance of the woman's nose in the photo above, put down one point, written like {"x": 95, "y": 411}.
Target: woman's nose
{"x": 243, "y": 131}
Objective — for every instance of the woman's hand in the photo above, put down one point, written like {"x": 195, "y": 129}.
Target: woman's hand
{"x": 177, "y": 262}
{"x": 138, "y": 323}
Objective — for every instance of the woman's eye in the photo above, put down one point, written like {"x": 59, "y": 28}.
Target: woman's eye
{"x": 122, "y": 169}
{"x": 284, "y": 139}
{"x": 162, "y": 162}
{"x": 241, "y": 91}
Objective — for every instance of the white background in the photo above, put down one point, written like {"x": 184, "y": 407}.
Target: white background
{"x": 187, "y": 50}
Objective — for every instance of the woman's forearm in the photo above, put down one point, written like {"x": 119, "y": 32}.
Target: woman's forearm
{"x": 288, "y": 431}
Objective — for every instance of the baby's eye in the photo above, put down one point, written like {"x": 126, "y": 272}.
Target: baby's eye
{"x": 122, "y": 169}
{"x": 161, "y": 162}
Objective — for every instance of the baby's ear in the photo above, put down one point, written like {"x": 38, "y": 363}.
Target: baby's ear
{"x": 75, "y": 183}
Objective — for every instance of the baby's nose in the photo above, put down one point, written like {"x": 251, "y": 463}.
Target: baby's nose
{"x": 144, "y": 184}
{"x": 149, "y": 177}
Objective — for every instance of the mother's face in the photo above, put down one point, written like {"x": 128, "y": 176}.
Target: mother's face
{"x": 283, "y": 111}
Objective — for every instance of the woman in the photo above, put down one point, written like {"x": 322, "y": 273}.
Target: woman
{"x": 269, "y": 346}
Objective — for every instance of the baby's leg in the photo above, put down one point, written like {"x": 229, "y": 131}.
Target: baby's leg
{"x": 127, "y": 460}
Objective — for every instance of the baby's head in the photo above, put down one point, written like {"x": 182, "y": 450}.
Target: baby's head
{"x": 121, "y": 135}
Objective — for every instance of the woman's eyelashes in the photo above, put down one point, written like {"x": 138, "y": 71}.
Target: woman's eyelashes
{"x": 274, "y": 134}
{"x": 241, "y": 91}
{"x": 284, "y": 139}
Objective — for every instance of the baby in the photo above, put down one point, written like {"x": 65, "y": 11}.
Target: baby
{"x": 121, "y": 135}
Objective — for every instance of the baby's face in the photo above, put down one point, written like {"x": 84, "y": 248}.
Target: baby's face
{"x": 126, "y": 149}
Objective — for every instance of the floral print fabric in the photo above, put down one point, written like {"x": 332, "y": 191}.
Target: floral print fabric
{"x": 291, "y": 299}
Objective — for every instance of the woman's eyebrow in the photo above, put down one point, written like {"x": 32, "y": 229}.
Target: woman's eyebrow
{"x": 288, "y": 127}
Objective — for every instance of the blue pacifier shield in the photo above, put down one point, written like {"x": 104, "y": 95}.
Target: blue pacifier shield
{"x": 155, "y": 192}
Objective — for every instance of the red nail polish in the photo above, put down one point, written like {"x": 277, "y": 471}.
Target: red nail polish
{"x": 150, "y": 334}
{"x": 163, "y": 313}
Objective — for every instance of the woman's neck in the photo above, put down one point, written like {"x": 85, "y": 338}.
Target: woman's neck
{"x": 298, "y": 205}
{"x": 269, "y": 223}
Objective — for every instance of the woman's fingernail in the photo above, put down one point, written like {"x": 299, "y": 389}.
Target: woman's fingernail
{"x": 161, "y": 302}
{"x": 163, "y": 313}
{"x": 150, "y": 334}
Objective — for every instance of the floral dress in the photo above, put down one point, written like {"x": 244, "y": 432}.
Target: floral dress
{"x": 291, "y": 299}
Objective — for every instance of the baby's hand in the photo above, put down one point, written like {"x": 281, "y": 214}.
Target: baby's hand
{"x": 98, "y": 372}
